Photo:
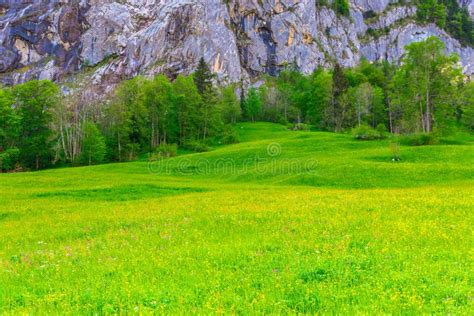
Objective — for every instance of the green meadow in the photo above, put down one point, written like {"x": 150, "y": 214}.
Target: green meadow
{"x": 282, "y": 222}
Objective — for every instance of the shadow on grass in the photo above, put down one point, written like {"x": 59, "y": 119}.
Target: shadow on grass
{"x": 119, "y": 193}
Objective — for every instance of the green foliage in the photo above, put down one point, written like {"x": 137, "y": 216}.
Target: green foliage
{"x": 9, "y": 120}
{"x": 339, "y": 98}
{"x": 301, "y": 127}
{"x": 203, "y": 77}
{"x": 144, "y": 114}
{"x": 165, "y": 151}
{"x": 118, "y": 125}
{"x": 159, "y": 101}
{"x": 426, "y": 93}
{"x": 196, "y": 146}
{"x": 365, "y": 132}
{"x": 341, "y": 7}
{"x": 449, "y": 15}
{"x": 432, "y": 11}
{"x": 229, "y": 136}
{"x": 319, "y": 108}
{"x": 9, "y": 159}
{"x": 231, "y": 111}
{"x": 421, "y": 139}
{"x": 467, "y": 106}
{"x": 35, "y": 99}
{"x": 425, "y": 87}
{"x": 93, "y": 146}
{"x": 253, "y": 104}
{"x": 187, "y": 103}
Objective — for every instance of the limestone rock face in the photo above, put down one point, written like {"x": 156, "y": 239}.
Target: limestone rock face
{"x": 108, "y": 41}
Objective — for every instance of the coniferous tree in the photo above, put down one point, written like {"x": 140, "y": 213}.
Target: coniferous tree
{"x": 203, "y": 77}
{"x": 340, "y": 86}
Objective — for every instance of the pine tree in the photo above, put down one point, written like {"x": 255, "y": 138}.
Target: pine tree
{"x": 203, "y": 77}
{"x": 340, "y": 86}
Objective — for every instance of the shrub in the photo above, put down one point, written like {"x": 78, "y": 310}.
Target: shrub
{"x": 300, "y": 127}
{"x": 395, "y": 149}
{"x": 365, "y": 132}
{"x": 341, "y": 7}
{"x": 382, "y": 129}
{"x": 229, "y": 136}
{"x": 165, "y": 151}
{"x": 9, "y": 159}
{"x": 422, "y": 139}
{"x": 196, "y": 146}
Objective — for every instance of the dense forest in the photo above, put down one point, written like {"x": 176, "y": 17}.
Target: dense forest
{"x": 40, "y": 127}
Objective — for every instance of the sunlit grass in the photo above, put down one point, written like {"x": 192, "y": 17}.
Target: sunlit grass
{"x": 355, "y": 232}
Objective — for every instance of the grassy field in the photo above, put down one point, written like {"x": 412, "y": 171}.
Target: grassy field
{"x": 283, "y": 222}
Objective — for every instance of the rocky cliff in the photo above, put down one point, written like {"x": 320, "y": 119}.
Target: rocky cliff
{"x": 104, "y": 42}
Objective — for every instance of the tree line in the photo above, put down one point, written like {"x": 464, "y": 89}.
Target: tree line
{"x": 40, "y": 128}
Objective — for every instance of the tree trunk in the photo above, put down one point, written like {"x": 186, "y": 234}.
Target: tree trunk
{"x": 390, "y": 118}
{"x": 119, "y": 147}
{"x": 422, "y": 115}
{"x": 359, "y": 119}
{"x": 428, "y": 112}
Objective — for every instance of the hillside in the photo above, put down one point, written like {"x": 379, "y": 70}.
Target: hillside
{"x": 283, "y": 222}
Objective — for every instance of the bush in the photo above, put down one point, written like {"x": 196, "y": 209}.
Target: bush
{"x": 165, "y": 151}
{"x": 395, "y": 149}
{"x": 365, "y": 132}
{"x": 341, "y": 7}
{"x": 422, "y": 139}
{"x": 300, "y": 127}
{"x": 9, "y": 159}
{"x": 196, "y": 146}
{"x": 229, "y": 136}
